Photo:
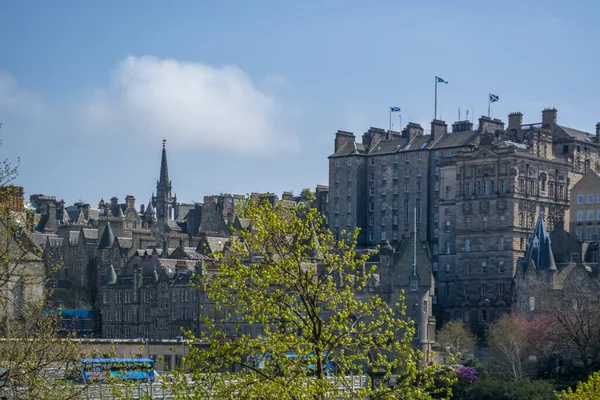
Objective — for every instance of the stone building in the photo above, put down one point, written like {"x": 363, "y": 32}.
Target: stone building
{"x": 478, "y": 193}
{"x": 585, "y": 208}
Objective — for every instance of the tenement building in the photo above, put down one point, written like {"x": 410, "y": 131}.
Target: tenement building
{"x": 477, "y": 192}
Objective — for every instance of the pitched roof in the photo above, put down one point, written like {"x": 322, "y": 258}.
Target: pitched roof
{"x": 350, "y": 148}
{"x": 575, "y": 133}
{"x": 108, "y": 237}
{"x": 111, "y": 276}
{"x": 539, "y": 249}
{"x": 388, "y": 146}
{"x": 455, "y": 139}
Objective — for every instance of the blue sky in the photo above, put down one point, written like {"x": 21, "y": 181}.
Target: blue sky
{"x": 250, "y": 94}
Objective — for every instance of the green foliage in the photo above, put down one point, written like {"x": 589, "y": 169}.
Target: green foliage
{"x": 286, "y": 285}
{"x": 502, "y": 389}
{"x": 588, "y": 390}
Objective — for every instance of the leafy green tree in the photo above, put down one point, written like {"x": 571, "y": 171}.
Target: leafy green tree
{"x": 456, "y": 338}
{"x": 319, "y": 320}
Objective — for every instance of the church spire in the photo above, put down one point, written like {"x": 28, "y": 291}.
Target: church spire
{"x": 164, "y": 169}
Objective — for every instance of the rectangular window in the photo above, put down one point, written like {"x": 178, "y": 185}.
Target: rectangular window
{"x": 435, "y": 266}
{"x": 407, "y": 173}
{"x": 590, "y": 198}
{"x": 394, "y": 235}
{"x": 348, "y": 207}
{"x": 383, "y": 236}
{"x": 371, "y": 191}
{"x": 486, "y": 187}
{"x": 590, "y": 215}
{"x": 467, "y": 268}
{"x": 501, "y": 243}
{"x": 483, "y": 289}
{"x": 469, "y": 188}
{"x": 105, "y": 297}
{"x": 419, "y": 156}
{"x": 395, "y": 158}
{"x": 383, "y": 161}
{"x": 502, "y": 186}
{"x": 436, "y": 186}
{"x": 372, "y": 162}
{"x": 468, "y": 245}
{"x": 395, "y": 188}
{"x": 419, "y": 171}
{"x": 598, "y": 215}
{"x": 336, "y": 192}
{"x": 501, "y": 221}
{"x": 448, "y": 226}
{"x": 447, "y": 246}
{"x": 395, "y": 174}
{"x": 336, "y": 208}
{"x": 371, "y": 235}
{"x": 447, "y": 269}
{"x": 466, "y": 292}
{"x": 500, "y": 289}
{"x": 371, "y": 206}
{"x": 580, "y": 199}
{"x": 501, "y": 267}
{"x": 383, "y": 190}
{"x": 483, "y": 268}
{"x": 418, "y": 186}
{"x": 579, "y": 215}
{"x": 349, "y": 162}
{"x": 349, "y": 177}
{"x": 372, "y": 177}
{"x": 337, "y": 178}
{"x": 406, "y": 158}
{"x": 371, "y": 221}
{"x": 337, "y": 162}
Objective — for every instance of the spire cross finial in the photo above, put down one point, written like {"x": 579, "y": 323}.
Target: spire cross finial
{"x": 164, "y": 142}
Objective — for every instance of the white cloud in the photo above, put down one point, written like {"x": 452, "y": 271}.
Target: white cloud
{"x": 20, "y": 105}
{"x": 191, "y": 104}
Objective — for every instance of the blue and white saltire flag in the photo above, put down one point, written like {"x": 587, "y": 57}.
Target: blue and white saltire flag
{"x": 494, "y": 98}
{"x": 440, "y": 80}
{"x": 394, "y": 109}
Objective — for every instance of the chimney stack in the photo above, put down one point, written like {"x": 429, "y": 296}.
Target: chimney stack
{"x": 549, "y": 117}
{"x": 341, "y": 138}
{"x": 130, "y": 201}
{"x": 597, "y": 137}
{"x": 412, "y": 130}
{"x": 515, "y": 120}
{"x": 438, "y": 129}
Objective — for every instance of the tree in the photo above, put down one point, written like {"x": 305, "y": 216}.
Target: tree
{"x": 501, "y": 389}
{"x": 32, "y": 350}
{"x": 310, "y": 297}
{"x": 507, "y": 338}
{"x": 575, "y": 312}
{"x": 456, "y": 338}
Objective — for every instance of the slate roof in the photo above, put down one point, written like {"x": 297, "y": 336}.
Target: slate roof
{"x": 388, "y": 146}
{"x": 350, "y": 148}
{"x": 40, "y": 239}
{"x": 125, "y": 242}
{"x": 108, "y": 237}
{"x": 111, "y": 276}
{"x": 455, "y": 139}
{"x": 539, "y": 249}
{"x": 575, "y": 133}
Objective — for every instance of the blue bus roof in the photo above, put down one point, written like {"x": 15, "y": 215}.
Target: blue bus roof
{"x": 71, "y": 313}
{"x": 103, "y": 360}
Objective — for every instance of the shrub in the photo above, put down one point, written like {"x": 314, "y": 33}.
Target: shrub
{"x": 587, "y": 390}
{"x": 503, "y": 389}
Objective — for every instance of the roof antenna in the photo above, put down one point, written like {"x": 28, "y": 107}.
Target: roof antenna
{"x": 467, "y": 115}
{"x": 458, "y": 113}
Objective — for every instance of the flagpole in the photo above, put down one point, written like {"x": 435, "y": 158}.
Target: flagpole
{"x": 435, "y": 106}
{"x": 390, "y": 118}
{"x": 489, "y": 104}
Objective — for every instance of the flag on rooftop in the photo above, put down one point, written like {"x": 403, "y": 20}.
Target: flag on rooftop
{"x": 494, "y": 98}
{"x": 440, "y": 80}
{"x": 394, "y": 109}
